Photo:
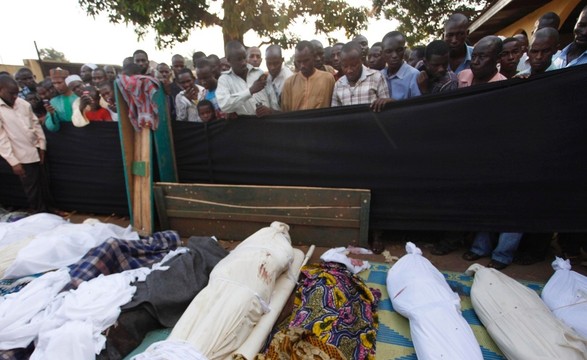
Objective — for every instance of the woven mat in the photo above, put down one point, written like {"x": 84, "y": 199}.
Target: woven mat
{"x": 393, "y": 338}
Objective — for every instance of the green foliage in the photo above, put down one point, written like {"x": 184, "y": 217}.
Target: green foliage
{"x": 172, "y": 20}
{"x": 51, "y": 54}
{"x": 423, "y": 20}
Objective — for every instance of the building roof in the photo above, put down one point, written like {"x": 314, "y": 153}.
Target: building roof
{"x": 502, "y": 14}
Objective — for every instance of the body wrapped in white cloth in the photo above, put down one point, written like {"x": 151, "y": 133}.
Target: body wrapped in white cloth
{"x": 518, "y": 321}
{"x": 223, "y": 314}
{"x": 565, "y": 294}
{"x": 419, "y": 292}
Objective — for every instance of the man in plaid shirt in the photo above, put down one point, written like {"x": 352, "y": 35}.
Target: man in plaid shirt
{"x": 359, "y": 85}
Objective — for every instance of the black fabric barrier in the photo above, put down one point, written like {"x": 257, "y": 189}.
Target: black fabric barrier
{"x": 504, "y": 156}
{"x": 85, "y": 167}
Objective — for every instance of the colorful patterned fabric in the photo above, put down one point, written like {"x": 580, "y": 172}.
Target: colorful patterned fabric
{"x": 114, "y": 256}
{"x": 298, "y": 344}
{"x": 139, "y": 92}
{"x": 338, "y": 308}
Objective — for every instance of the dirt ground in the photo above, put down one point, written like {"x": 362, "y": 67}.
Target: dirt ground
{"x": 539, "y": 272}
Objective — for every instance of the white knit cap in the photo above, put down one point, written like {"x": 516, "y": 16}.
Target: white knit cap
{"x": 72, "y": 78}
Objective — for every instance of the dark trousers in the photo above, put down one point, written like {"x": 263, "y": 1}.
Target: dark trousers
{"x": 36, "y": 187}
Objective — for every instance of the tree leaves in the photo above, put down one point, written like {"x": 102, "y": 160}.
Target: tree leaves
{"x": 173, "y": 20}
{"x": 423, "y": 20}
{"x": 51, "y": 54}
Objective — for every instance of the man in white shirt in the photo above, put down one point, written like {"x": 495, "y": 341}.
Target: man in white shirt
{"x": 277, "y": 72}
{"x": 23, "y": 144}
{"x": 243, "y": 89}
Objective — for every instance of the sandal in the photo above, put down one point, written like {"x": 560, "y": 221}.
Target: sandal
{"x": 497, "y": 265}
{"x": 471, "y": 256}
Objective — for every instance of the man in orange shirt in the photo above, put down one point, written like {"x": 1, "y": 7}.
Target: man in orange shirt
{"x": 309, "y": 88}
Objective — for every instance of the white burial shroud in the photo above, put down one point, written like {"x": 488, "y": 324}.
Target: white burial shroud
{"x": 565, "y": 294}
{"x": 223, "y": 314}
{"x": 518, "y": 321}
{"x": 64, "y": 245}
{"x": 419, "y": 292}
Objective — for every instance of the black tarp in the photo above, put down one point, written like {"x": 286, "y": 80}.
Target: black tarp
{"x": 504, "y": 156}
{"x": 85, "y": 166}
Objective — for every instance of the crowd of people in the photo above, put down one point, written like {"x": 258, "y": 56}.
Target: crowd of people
{"x": 233, "y": 86}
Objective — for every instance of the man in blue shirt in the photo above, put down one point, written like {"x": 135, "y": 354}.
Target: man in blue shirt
{"x": 402, "y": 79}
{"x": 455, "y": 34}
{"x": 576, "y": 52}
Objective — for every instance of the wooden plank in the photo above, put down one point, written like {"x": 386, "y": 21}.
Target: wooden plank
{"x": 285, "y": 210}
{"x": 238, "y": 231}
{"x": 136, "y": 154}
{"x": 321, "y": 216}
{"x": 265, "y": 218}
{"x": 264, "y": 195}
{"x": 142, "y": 185}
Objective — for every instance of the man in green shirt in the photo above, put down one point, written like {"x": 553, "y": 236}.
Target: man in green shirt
{"x": 60, "y": 107}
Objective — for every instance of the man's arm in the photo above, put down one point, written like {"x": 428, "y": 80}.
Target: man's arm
{"x": 52, "y": 119}
{"x": 6, "y": 147}
{"x": 230, "y": 102}
{"x": 422, "y": 81}
{"x": 181, "y": 109}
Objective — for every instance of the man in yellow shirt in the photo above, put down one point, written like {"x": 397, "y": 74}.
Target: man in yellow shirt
{"x": 309, "y": 88}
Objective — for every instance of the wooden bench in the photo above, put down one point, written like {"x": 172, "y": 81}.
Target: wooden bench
{"x": 322, "y": 216}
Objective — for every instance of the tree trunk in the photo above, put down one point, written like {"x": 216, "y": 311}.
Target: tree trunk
{"x": 232, "y": 22}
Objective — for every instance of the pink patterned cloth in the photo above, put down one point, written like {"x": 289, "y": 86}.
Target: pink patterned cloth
{"x": 139, "y": 92}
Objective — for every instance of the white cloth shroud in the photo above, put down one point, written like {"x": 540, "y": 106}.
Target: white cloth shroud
{"x": 63, "y": 246}
{"x": 94, "y": 306}
{"x": 565, "y": 294}
{"x": 170, "y": 350}
{"x": 68, "y": 325}
{"x": 420, "y": 292}
{"x": 28, "y": 227}
{"x": 518, "y": 321}
{"x": 19, "y": 324}
{"x": 223, "y": 314}
{"x": 340, "y": 255}
{"x": 17, "y": 235}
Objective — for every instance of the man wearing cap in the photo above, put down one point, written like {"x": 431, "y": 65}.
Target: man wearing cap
{"x": 23, "y": 144}
{"x": 60, "y": 107}
{"x": 76, "y": 85}
{"x": 86, "y": 73}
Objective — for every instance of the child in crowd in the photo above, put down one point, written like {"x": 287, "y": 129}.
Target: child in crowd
{"x": 206, "y": 111}
{"x": 96, "y": 112}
